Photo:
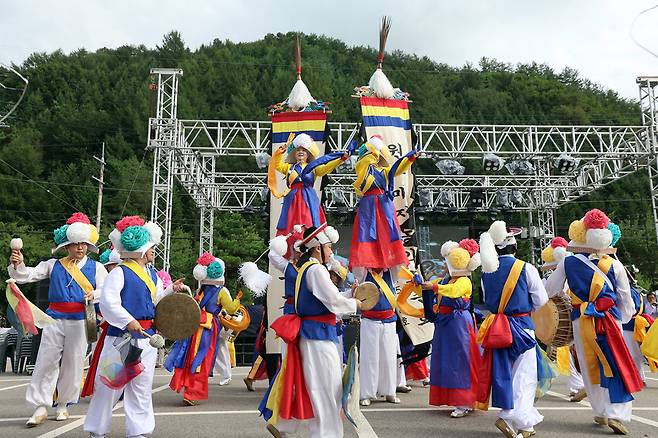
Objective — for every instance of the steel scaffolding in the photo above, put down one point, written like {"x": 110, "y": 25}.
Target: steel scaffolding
{"x": 193, "y": 152}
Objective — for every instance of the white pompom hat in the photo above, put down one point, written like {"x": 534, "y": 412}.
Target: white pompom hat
{"x": 78, "y": 229}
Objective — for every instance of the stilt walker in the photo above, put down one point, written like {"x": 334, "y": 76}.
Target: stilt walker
{"x": 192, "y": 359}
{"x": 601, "y": 299}
{"x": 455, "y": 353}
{"x": 128, "y": 303}
{"x": 74, "y": 280}
{"x": 309, "y": 384}
{"x": 566, "y": 360}
{"x": 511, "y": 289}
{"x": 376, "y": 239}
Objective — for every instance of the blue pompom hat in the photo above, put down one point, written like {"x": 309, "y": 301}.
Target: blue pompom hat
{"x": 209, "y": 270}
{"x": 132, "y": 237}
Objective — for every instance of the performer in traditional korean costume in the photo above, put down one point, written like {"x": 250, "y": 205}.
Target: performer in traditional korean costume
{"x": 602, "y": 302}
{"x": 512, "y": 289}
{"x": 308, "y": 386}
{"x": 74, "y": 280}
{"x": 192, "y": 359}
{"x": 455, "y": 354}
{"x": 566, "y": 355}
{"x": 301, "y": 164}
{"x": 379, "y": 344}
{"x": 376, "y": 242}
{"x": 127, "y": 302}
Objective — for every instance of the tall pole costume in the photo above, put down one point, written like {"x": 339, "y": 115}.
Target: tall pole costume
{"x": 376, "y": 240}
{"x": 130, "y": 293}
{"x": 308, "y": 386}
{"x": 192, "y": 359}
{"x": 566, "y": 359}
{"x": 511, "y": 289}
{"x": 74, "y": 281}
{"x": 601, "y": 299}
{"x": 299, "y": 161}
{"x": 455, "y": 353}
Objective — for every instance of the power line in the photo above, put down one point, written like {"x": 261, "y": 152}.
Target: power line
{"x": 39, "y": 185}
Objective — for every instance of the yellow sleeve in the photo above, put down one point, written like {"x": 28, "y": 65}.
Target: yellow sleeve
{"x": 404, "y": 166}
{"x": 462, "y": 288}
{"x": 361, "y": 170}
{"x": 281, "y": 165}
{"x": 326, "y": 168}
{"x": 227, "y": 303}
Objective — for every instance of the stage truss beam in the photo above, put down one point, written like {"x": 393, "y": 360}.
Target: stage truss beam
{"x": 191, "y": 151}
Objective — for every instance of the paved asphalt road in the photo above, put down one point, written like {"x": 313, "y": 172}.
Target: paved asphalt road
{"x": 231, "y": 412}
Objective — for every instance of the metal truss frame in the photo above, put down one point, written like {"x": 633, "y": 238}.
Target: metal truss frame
{"x": 191, "y": 152}
{"x": 649, "y": 107}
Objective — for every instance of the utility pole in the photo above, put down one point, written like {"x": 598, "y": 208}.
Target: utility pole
{"x": 101, "y": 182}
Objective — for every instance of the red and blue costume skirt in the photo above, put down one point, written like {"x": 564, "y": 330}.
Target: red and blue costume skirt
{"x": 300, "y": 206}
{"x": 192, "y": 360}
{"x": 452, "y": 381}
{"x": 376, "y": 241}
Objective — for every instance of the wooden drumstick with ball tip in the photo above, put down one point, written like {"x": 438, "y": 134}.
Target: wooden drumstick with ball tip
{"x": 16, "y": 246}
{"x": 156, "y": 340}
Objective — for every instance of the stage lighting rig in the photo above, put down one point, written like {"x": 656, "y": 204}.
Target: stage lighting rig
{"x": 492, "y": 162}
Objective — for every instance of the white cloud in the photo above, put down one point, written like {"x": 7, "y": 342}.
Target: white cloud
{"x": 591, "y": 36}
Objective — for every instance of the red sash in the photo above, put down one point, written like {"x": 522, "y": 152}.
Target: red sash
{"x": 295, "y": 401}
{"x": 67, "y": 307}
{"x": 378, "y": 314}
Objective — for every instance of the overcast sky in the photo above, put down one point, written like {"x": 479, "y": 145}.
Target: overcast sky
{"x": 589, "y": 35}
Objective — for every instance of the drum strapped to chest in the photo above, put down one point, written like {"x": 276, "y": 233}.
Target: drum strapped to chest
{"x": 553, "y": 322}
{"x": 368, "y": 293}
{"x": 233, "y": 324}
{"x": 90, "y": 322}
{"x": 177, "y": 316}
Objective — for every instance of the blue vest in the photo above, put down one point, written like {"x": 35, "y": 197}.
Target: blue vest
{"x": 520, "y": 301}
{"x": 308, "y": 180}
{"x": 382, "y": 303}
{"x": 136, "y": 299}
{"x": 63, "y": 289}
{"x": 289, "y": 280}
{"x": 579, "y": 277}
{"x": 309, "y": 305}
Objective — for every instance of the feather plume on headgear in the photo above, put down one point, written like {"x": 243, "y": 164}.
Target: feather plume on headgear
{"x": 488, "y": 253}
{"x": 379, "y": 83}
{"x": 255, "y": 279}
{"x": 300, "y": 97}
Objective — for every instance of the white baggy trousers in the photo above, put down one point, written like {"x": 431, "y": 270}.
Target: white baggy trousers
{"x": 222, "y": 368}
{"x": 598, "y": 397}
{"x": 137, "y": 399}
{"x": 63, "y": 341}
{"x": 524, "y": 416}
{"x": 378, "y": 358}
{"x": 636, "y": 352}
{"x": 323, "y": 376}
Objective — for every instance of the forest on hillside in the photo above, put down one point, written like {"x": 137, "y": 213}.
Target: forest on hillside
{"x": 77, "y": 101}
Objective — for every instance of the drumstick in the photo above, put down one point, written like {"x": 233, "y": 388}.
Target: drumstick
{"x": 156, "y": 340}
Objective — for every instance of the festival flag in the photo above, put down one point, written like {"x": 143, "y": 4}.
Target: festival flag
{"x": 29, "y": 315}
